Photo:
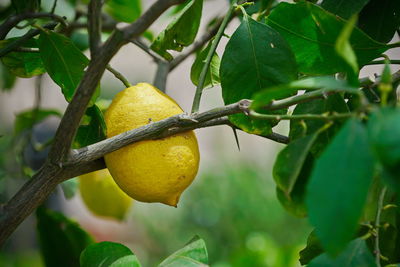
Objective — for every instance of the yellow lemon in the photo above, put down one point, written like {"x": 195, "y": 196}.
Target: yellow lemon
{"x": 102, "y": 195}
{"x": 152, "y": 170}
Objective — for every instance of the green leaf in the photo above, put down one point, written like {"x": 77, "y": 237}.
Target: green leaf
{"x": 181, "y": 31}
{"x": 124, "y": 10}
{"x": 312, "y": 32}
{"x": 384, "y": 133}
{"x": 108, "y": 254}
{"x": 290, "y": 160}
{"x": 339, "y": 185}
{"x": 27, "y": 119}
{"x": 263, "y": 98}
{"x": 334, "y": 103}
{"x": 80, "y": 40}
{"x": 61, "y": 240}
{"x": 93, "y": 131}
{"x": 23, "y": 64}
{"x": 69, "y": 188}
{"x": 256, "y": 57}
{"x": 212, "y": 77}
{"x": 344, "y": 8}
{"x": 193, "y": 254}
{"x": 7, "y": 79}
{"x": 64, "y": 62}
{"x": 344, "y": 49}
{"x": 23, "y": 6}
{"x": 355, "y": 254}
{"x": 380, "y": 19}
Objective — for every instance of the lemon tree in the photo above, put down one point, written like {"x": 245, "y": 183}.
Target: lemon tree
{"x": 298, "y": 61}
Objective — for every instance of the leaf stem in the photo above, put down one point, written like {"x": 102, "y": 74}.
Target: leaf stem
{"x": 214, "y": 44}
{"x": 377, "y": 226}
{"x": 118, "y": 75}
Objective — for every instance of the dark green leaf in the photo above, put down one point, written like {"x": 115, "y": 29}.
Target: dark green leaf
{"x": 263, "y": 98}
{"x": 69, "y": 188}
{"x": 334, "y": 103}
{"x": 384, "y": 132}
{"x": 344, "y": 8}
{"x": 26, "y": 119}
{"x": 290, "y": 160}
{"x": 380, "y": 19}
{"x": 93, "y": 131}
{"x": 23, "y": 64}
{"x": 108, "y": 254}
{"x": 256, "y": 57}
{"x": 312, "y": 32}
{"x": 124, "y": 10}
{"x": 22, "y": 6}
{"x": 212, "y": 77}
{"x": 355, "y": 254}
{"x": 181, "y": 31}
{"x": 64, "y": 62}
{"x": 339, "y": 185}
{"x": 7, "y": 79}
{"x": 193, "y": 254}
{"x": 61, "y": 240}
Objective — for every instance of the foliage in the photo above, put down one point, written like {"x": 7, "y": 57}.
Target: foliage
{"x": 298, "y": 61}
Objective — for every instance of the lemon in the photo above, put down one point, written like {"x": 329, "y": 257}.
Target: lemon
{"x": 102, "y": 196}
{"x": 152, "y": 170}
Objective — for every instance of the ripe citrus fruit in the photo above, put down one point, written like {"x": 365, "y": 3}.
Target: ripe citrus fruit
{"x": 102, "y": 195}
{"x": 152, "y": 170}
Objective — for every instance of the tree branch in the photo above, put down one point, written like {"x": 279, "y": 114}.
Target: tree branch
{"x": 13, "y": 21}
{"x": 160, "y": 79}
{"x": 94, "y": 26}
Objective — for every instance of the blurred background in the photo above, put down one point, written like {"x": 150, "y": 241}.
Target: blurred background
{"x": 231, "y": 204}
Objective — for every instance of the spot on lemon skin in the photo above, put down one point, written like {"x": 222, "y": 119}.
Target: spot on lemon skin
{"x": 152, "y": 170}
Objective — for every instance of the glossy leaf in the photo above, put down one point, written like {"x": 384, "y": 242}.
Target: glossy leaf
{"x": 193, "y": 254}
{"x": 290, "y": 160}
{"x": 256, "y": 57}
{"x": 339, "y": 185}
{"x": 23, "y": 64}
{"x": 344, "y": 8}
{"x": 64, "y": 62}
{"x": 108, "y": 254}
{"x": 27, "y": 119}
{"x": 61, "y": 240}
{"x": 93, "y": 130}
{"x": 212, "y": 77}
{"x": 264, "y": 97}
{"x": 124, "y": 10}
{"x": 355, "y": 254}
{"x": 181, "y": 31}
{"x": 312, "y": 32}
{"x": 380, "y": 19}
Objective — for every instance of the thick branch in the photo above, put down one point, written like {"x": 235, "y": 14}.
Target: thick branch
{"x": 13, "y": 21}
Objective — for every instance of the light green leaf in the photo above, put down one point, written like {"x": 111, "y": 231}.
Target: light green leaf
{"x": 64, "y": 62}
{"x": 212, "y": 77}
{"x": 339, "y": 185}
{"x": 181, "y": 31}
{"x": 193, "y": 254}
{"x": 23, "y": 64}
{"x": 124, "y": 10}
{"x": 69, "y": 188}
{"x": 312, "y": 33}
{"x": 61, "y": 240}
{"x": 108, "y": 254}
{"x": 256, "y": 57}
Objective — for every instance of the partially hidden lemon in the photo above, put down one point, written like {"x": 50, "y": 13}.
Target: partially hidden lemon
{"x": 102, "y": 196}
{"x": 152, "y": 170}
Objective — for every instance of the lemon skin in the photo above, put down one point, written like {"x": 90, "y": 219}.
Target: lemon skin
{"x": 152, "y": 170}
{"x": 102, "y": 196}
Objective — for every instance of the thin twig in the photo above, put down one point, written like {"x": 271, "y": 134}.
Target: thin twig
{"x": 139, "y": 43}
{"x": 381, "y": 62}
{"x": 325, "y": 116}
{"x": 214, "y": 44}
{"x": 94, "y": 26}
{"x": 53, "y": 8}
{"x": 11, "y": 22}
{"x": 377, "y": 226}
{"x": 119, "y": 76}
{"x": 160, "y": 79}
